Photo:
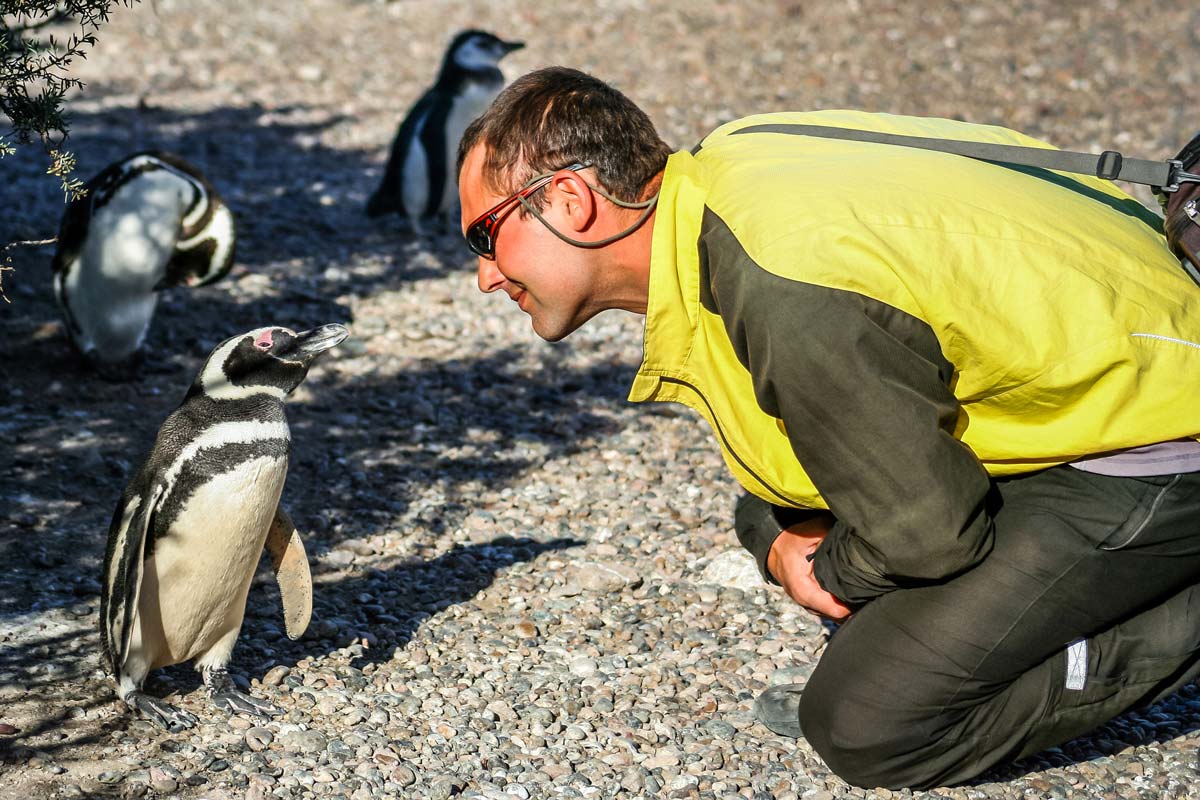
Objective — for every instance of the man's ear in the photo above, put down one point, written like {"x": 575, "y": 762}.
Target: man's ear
{"x": 579, "y": 202}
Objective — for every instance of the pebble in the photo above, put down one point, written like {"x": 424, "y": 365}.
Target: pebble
{"x": 403, "y": 776}
{"x": 164, "y": 780}
{"x": 259, "y": 739}
{"x": 304, "y": 741}
{"x": 275, "y": 675}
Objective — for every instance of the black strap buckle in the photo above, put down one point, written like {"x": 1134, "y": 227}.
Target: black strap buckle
{"x": 1109, "y": 165}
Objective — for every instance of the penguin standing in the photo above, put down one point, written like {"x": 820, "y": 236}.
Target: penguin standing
{"x": 146, "y": 223}
{"x": 419, "y": 182}
{"x": 188, "y": 532}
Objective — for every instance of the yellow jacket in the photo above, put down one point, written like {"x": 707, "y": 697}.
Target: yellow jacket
{"x": 877, "y": 329}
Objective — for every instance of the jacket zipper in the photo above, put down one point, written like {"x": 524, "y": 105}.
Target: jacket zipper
{"x": 725, "y": 442}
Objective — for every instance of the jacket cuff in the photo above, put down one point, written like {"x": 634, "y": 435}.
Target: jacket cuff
{"x": 758, "y": 524}
{"x": 842, "y": 567}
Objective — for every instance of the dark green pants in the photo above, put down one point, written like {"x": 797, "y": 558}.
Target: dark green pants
{"x": 1087, "y": 606}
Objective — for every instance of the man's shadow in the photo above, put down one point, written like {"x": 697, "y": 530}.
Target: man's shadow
{"x": 1166, "y": 720}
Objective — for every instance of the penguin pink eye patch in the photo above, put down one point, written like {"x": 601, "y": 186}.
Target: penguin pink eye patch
{"x": 263, "y": 342}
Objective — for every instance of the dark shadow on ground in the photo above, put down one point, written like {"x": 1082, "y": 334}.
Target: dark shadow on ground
{"x": 47, "y": 693}
{"x": 298, "y": 203}
{"x": 1175, "y": 716}
{"x": 360, "y": 451}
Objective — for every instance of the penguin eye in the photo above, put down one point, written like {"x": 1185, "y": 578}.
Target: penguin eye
{"x": 264, "y": 341}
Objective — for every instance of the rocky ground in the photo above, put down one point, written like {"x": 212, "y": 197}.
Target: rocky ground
{"x": 526, "y": 587}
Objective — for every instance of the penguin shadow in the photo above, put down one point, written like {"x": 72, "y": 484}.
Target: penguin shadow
{"x": 384, "y": 606}
{"x": 47, "y": 692}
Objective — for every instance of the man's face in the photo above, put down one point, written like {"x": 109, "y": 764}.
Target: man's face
{"x": 546, "y": 277}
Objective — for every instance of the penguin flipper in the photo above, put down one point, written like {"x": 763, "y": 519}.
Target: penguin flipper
{"x": 387, "y": 198}
{"x": 127, "y": 537}
{"x": 438, "y": 159}
{"x": 290, "y": 563}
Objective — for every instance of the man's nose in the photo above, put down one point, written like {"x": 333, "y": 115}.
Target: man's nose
{"x": 490, "y": 277}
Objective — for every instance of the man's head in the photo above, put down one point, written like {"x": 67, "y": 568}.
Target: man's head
{"x": 592, "y": 146}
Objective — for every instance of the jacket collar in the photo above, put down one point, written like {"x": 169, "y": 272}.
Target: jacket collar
{"x": 673, "y": 305}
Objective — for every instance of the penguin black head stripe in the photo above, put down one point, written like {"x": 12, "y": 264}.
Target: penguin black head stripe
{"x": 188, "y": 532}
{"x": 147, "y": 222}
{"x": 419, "y": 182}
{"x": 270, "y": 361}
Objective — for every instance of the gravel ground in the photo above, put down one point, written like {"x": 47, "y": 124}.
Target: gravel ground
{"x": 526, "y": 587}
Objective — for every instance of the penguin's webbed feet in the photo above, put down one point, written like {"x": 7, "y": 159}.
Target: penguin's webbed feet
{"x": 226, "y": 696}
{"x": 162, "y": 713}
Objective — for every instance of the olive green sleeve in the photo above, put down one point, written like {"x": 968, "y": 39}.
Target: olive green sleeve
{"x": 863, "y": 392}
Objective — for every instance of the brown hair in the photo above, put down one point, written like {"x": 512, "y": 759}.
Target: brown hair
{"x": 553, "y": 117}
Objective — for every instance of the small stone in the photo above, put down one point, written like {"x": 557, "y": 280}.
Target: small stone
{"x": 275, "y": 675}
{"x": 583, "y": 666}
{"x": 556, "y": 771}
{"x": 304, "y": 741}
{"x": 666, "y": 759}
{"x": 386, "y": 758}
{"x": 258, "y": 739}
{"x": 734, "y": 568}
{"x": 403, "y": 776}
{"x": 445, "y": 788}
{"x": 719, "y": 729}
{"x": 593, "y": 576}
{"x": 8, "y": 730}
{"x": 800, "y": 673}
{"x": 111, "y": 777}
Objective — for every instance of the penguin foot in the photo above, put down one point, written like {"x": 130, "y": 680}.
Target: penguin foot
{"x": 224, "y": 695}
{"x": 168, "y": 716}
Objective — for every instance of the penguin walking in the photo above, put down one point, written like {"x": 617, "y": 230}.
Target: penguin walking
{"x": 147, "y": 222}
{"x": 419, "y": 182}
{"x": 189, "y": 529}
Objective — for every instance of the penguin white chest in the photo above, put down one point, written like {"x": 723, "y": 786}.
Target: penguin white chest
{"x": 468, "y": 106}
{"x": 195, "y": 584}
{"x": 110, "y": 287}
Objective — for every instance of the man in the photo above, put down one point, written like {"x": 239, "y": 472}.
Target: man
{"x": 959, "y": 395}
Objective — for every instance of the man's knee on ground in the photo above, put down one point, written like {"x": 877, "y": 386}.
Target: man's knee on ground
{"x": 862, "y": 735}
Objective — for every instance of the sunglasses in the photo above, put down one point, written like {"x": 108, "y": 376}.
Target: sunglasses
{"x": 481, "y": 234}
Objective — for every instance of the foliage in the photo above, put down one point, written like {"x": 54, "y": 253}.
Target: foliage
{"x": 34, "y": 79}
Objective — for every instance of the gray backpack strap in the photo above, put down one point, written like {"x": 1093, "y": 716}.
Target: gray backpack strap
{"x": 1109, "y": 165}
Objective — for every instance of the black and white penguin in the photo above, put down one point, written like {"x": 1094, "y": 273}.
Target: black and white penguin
{"x": 146, "y": 223}
{"x": 419, "y": 182}
{"x": 188, "y": 532}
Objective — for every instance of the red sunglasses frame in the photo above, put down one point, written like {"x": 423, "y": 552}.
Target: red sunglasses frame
{"x": 481, "y": 233}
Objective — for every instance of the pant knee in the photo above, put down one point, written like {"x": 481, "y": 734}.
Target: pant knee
{"x": 864, "y": 739}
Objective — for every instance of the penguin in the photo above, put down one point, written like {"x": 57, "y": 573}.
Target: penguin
{"x": 145, "y": 223}
{"x": 188, "y": 531}
{"x": 419, "y": 182}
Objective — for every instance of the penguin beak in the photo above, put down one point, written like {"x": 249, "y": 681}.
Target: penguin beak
{"x": 318, "y": 340}
{"x": 511, "y": 46}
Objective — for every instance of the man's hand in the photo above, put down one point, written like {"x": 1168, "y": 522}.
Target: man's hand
{"x": 790, "y": 564}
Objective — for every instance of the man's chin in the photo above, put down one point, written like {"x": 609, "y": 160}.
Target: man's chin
{"x": 550, "y": 332}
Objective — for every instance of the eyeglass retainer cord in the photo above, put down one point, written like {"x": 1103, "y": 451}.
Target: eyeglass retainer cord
{"x": 647, "y": 204}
